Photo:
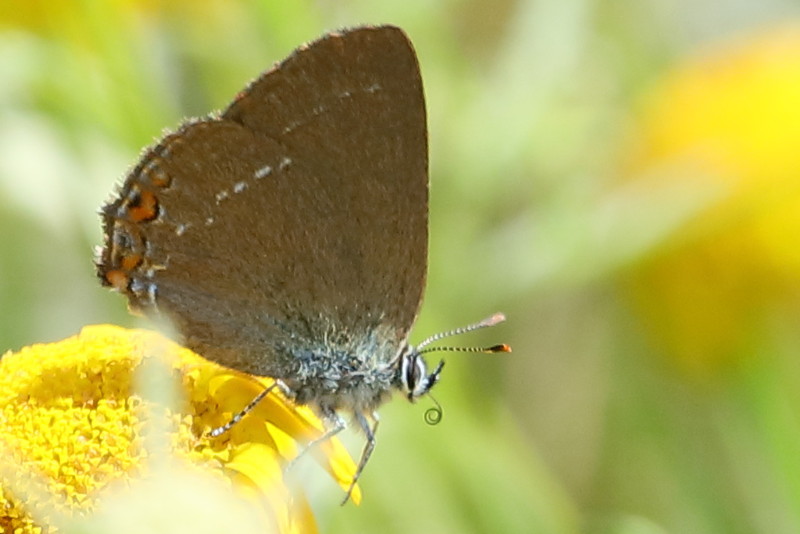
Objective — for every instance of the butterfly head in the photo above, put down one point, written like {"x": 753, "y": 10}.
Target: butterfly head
{"x": 413, "y": 376}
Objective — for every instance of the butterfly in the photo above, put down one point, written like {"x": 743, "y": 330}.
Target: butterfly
{"x": 287, "y": 235}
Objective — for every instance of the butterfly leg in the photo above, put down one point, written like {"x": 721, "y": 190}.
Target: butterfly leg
{"x": 369, "y": 446}
{"x": 334, "y": 423}
{"x": 216, "y": 432}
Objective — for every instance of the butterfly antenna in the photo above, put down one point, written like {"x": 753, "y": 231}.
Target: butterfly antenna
{"x": 502, "y": 347}
{"x": 489, "y": 321}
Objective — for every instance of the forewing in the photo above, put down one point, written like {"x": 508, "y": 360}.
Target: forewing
{"x": 299, "y": 214}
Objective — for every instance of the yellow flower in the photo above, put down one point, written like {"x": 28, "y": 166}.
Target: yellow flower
{"x": 73, "y": 432}
{"x": 733, "y": 118}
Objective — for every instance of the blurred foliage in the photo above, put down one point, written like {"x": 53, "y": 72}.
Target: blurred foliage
{"x": 621, "y": 178}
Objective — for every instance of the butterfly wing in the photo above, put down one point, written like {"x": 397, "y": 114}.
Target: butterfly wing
{"x": 296, "y": 217}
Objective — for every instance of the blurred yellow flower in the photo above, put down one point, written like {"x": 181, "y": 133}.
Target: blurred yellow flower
{"x": 71, "y": 418}
{"x": 47, "y": 16}
{"x": 733, "y": 118}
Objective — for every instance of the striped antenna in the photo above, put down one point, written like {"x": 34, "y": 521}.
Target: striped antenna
{"x": 489, "y": 321}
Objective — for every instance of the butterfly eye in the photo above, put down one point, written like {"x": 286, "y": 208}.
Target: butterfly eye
{"x": 412, "y": 376}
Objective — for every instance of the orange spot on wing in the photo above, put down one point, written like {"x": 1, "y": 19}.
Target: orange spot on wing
{"x": 117, "y": 279}
{"x": 145, "y": 208}
{"x": 131, "y": 262}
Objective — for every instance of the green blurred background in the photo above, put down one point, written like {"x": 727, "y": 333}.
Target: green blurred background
{"x": 622, "y": 178}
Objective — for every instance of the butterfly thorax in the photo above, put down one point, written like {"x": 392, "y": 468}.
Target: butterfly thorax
{"x": 356, "y": 374}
